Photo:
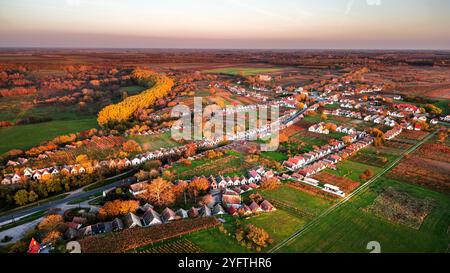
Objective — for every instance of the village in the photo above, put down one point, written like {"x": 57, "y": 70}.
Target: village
{"x": 132, "y": 181}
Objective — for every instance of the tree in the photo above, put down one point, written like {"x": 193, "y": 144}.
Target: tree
{"x": 32, "y": 196}
{"x": 82, "y": 159}
{"x": 131, "y": 146}
{"x": 347, "y": 139}
{"x": 324, "y": 116}
{"x": 51, "y": 222}
{"x": 256, "y": 197}
{"x": 21, "y": 197}
{"x": 198, "y": 186}
{"x": 52, "y": 237}
{"x": 159, "y": 192}
{"x": 191, "y": 149}
{"x": 270, "y": 183}
{"x": 257, "y": 236}
{"x": 117, "y": 208}
{"x": 283, "y": 138}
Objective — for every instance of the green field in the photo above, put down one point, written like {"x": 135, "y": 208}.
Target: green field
{"x": 277, "y": 156}
{"x": 300, "y": 200}
{"x": 154, "y": 142}
{"x": 279, "y": 224}
{"x": 349, "y": 228}
{"x": 214, "y": 241}
{"x": 352, "y": 170}
{"x": 246, "y": 71}
{"x": 27, "y": 136}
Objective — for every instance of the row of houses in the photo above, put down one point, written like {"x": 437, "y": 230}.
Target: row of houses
{"x": 393, "y": 132}
{"x": 299, "y": 161}
{"x": 332, "y": 159}
{"x": 38, "y": 174}
{"x": 240, "y": 184}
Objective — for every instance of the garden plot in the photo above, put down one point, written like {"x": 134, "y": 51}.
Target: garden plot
{"x": 401, "y": 208}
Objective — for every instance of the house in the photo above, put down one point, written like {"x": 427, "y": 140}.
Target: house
{"x": 256, "y": 176}
{"x": 79, "y": 220}
{"x": 181, "y": 213}
{"x": 151, "y": 218}
{"x": 138, "y": 188}
{"x": 255, "y": 207}
{"x": 70, "y": 234}
{"x": 131, "y": 220}
{"x": 168, "y": 215}
{"x": 205, "y": 211}
{"x": 136, "y": 161}
{"x": 232, "y": 211}
{"x": 218, "y": 210}
{"x": 267, "y": 206}
{"x": 193, "y": 212}
{"x": 117, "y": 224}
{"x": 245, "y": 210}
{"x": 231, "y": 200}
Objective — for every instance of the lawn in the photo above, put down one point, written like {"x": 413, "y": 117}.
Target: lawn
{"x": 214, "y": 241}
{"x": 277, "y": 156}
{"x": 279, "y": 224}
{"x": 27, "y": 136}
{"x": 246, "y": 71}
{"x": 349, "y": 228}
{"x": 300, "y": 200}
{"x": 352, "y": 170}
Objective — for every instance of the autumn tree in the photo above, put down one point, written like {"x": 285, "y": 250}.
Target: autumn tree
{"x": 191, "y": 149}
{"x": 117, "y": 208}
{"x": 198, "y": 186}
{"x": 52, "y": 237}
{"x": 159, "y": 192}
{"x": 270, "y": 183}
{"x": 131, "y": 146}
{"x": 51, "y": 222}
{"x": 258, "y": 236}
{"x": 324, "y": 116}
{"x": 21, "y": 197}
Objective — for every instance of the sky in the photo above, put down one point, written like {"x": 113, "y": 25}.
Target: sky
{"x": 240, "y": 24}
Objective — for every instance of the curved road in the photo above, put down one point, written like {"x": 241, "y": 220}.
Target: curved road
{"x": 73, "y": 196}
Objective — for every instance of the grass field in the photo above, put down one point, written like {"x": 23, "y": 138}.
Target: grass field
{"x": 246, "y": 71}
{"x": 27, "y": 136}
{"x": 279, "y": 224}
{"x": 349, "y": 228}
{"x": 352, "y": 170}
{"x": 154, "y": 142}
{"x": 300, "y": 200}
{"x": 214, "y": 241}
{"x": 278, "y": 156}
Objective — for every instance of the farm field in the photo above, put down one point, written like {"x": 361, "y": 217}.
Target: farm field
{"x": 214, "y": 241}
{"x": 246, "y": 71}
{"x": 350, "y": 228}
{"x": 352, "y": 170}
{"x": 154, "y": 142}
{"x": 307, "y": 204}
{"x": 279, "y": 224}
{"x": 230, "y": 164}
{"x": 27, "y": 136}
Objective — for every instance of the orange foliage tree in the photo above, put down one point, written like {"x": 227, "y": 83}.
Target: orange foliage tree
{"x": 122, "y": 111}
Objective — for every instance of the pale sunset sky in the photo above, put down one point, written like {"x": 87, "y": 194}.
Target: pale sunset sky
{"x": 246, "y": 24}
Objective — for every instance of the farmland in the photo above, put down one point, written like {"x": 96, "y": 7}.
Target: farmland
{"x": 245, "y": 71}
{"x": 358, "y": 227}
{"x": 27, "y": 136}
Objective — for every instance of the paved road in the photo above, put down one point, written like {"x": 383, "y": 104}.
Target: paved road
{"x": 73, "y": 196}
{"x": 316, "y": 220}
